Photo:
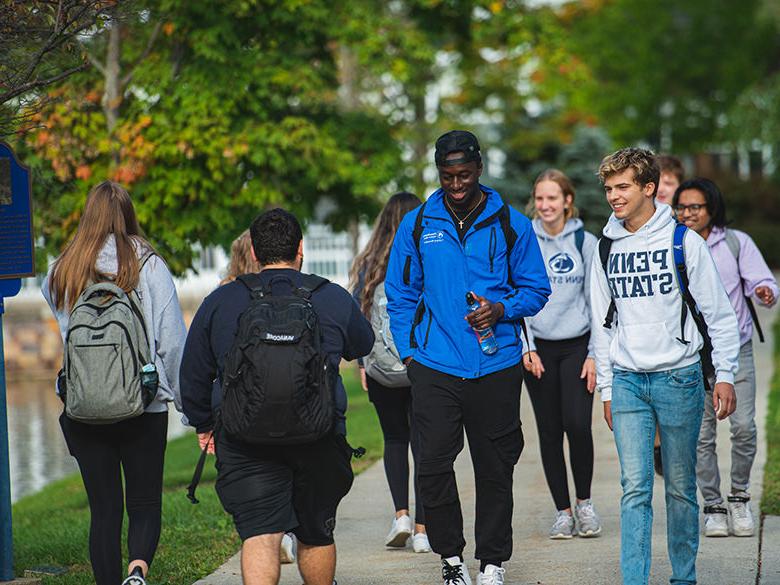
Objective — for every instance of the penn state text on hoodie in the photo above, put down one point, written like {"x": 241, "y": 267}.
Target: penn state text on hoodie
{"x": 567, "y": 314}
{"x": 427, "y": 318}
{"x": 643, "y": 282}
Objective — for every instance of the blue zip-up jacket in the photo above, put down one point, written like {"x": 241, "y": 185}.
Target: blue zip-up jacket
{"x": 426, "y": 290}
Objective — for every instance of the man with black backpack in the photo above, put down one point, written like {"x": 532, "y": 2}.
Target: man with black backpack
{"x": 465, "y": 268}
{"x": 660, "y": 315}
{"x": 273, "y": 342}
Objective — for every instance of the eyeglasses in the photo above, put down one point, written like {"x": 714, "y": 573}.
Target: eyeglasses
{"x": 693, "y": 208}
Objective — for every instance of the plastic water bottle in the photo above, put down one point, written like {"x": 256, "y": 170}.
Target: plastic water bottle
{"x": 486, "y": 337}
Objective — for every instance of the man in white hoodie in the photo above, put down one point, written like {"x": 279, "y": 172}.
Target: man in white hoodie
{"x": 648, "y": 364}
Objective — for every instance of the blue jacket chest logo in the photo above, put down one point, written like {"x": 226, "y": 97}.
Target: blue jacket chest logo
{"x": 433, "y": 237}
{"x": 561, "y": 263}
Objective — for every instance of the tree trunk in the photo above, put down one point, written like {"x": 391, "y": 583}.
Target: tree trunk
{"x": 112, "y": 97}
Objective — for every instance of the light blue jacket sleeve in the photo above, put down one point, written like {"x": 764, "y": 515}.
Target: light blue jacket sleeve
{"x": 531, "y": 285}
{"x": 403, "y": 284}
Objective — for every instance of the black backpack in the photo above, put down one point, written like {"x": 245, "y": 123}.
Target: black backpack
{"x": 276, "y": 386}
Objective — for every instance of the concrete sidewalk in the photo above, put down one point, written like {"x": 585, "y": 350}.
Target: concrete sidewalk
{"x": 365, "y": 515}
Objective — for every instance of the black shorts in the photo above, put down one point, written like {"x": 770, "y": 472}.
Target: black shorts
{"x": 290, "y": 488}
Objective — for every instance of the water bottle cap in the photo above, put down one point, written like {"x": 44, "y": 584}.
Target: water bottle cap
{"x": 469, "y": 298}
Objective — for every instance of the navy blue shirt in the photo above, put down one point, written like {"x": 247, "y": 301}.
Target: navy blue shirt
{"x": 346, "y": 334}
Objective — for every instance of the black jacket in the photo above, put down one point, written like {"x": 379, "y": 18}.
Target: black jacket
{"x": 347, "y": 334}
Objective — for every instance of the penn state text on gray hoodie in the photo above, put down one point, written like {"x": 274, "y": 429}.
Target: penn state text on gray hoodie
{"x": 567, "y": 312}
{"x": 643, "y": 283}
{"x": 160, "y": 307}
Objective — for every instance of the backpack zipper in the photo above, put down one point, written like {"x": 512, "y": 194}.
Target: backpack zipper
{"x": 127, "y": 335}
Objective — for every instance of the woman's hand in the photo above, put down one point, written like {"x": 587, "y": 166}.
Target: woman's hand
{"x": 533, "y": 363}
{"x": 363, "y": 381}
{"x": 589, "y": 374}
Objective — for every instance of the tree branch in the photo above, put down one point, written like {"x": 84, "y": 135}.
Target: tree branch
{"x": 31, "y": 85}
{"x": 148, "y": 49}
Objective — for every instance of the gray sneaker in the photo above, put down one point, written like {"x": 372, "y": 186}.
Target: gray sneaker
{"x": 563, "y": 527}
{"x": 588, "y": 522}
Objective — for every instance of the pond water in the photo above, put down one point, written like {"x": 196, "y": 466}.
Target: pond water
{"x": 38, "y": 454}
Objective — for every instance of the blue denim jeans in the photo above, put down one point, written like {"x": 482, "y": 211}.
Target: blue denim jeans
{"x": 674, "y": 399}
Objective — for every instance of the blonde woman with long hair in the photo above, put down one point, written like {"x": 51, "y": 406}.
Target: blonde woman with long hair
{"x": 109, "y": 246}
{"x": 241, "y": 260}
{"x": 393, "y": 405}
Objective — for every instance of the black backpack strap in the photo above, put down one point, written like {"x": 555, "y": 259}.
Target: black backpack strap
{"x": 510, "y": 236}
{"x": 418, "y": 228}
{"x": 752, "y": 308}
{"x": 310, "y": 283}
{"x": 605, "y": 245}
{"x": 199, "y": 468}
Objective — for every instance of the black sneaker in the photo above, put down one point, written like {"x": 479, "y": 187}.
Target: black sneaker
{"x": 135, "y": 578}
{"x": 657, "y": 461}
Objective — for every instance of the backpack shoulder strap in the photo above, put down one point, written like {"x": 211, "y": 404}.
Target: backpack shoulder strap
{"x": 689, "y": 303}
{"x": 418, "y": 227}
{"x": 605, "y": 245}
{"x": 579, "y": 239}
{"x": 510, "y": 236}
{"x": 732, "y": 241}
{"x": 310, "y": 283}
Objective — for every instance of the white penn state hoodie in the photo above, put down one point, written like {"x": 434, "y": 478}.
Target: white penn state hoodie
{"x": 643, "y": 282}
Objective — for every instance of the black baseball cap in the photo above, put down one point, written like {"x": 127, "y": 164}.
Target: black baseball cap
{"x": 456, "y": 141}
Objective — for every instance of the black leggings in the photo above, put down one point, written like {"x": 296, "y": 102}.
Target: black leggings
{"x": 394, "y": 409}
{"x": 138, "y": 446}
{"x": 562, "y": 404}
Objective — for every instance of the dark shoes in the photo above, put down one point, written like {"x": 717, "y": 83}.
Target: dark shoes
{"x": 657, "y": 462}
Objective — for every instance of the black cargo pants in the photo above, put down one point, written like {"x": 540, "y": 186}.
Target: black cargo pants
{"x": 489, "y": 410}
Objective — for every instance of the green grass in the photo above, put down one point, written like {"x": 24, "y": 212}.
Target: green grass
{"x": 770, "y": 499}
{"x": 51, "y": 526}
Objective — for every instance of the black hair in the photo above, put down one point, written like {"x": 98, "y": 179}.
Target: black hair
{"x": 713, "y": 198}
{"x": 276, "y": 235}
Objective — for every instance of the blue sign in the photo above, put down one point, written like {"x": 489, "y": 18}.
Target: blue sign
{"x": 17, "y": 248}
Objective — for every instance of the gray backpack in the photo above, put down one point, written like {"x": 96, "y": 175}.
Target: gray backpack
{"x": 383, "y": 364}
{"x": 105, "y": 349}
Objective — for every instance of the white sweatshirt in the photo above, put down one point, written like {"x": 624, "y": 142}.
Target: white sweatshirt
{"x": 643, "y": 337}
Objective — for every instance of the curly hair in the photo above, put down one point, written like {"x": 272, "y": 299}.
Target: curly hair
{"x": 642, "y": 161}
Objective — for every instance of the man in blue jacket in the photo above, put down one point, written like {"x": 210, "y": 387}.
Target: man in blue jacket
{"x": 465, "y": 239}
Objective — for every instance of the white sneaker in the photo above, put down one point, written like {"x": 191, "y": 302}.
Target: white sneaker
{"x": 492, "y": 576}
{"x": 588, "y": 522}
{"x": 420, "y": 543}
{"x": 741, "y": 516}
{"x": 287, "y": 550}
{"x": 400, "y": 532}
{"x": 454, "y": 572}
{"x": 563, "y": 527}
{"x": 716, "y": 522}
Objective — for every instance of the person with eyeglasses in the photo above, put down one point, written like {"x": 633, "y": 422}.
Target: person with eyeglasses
{"x": 745, "y": 275}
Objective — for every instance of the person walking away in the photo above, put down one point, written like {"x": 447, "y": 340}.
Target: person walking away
{"x": 116, "y": 306}
{"x": 274, "y": 341}
{"x": 464, "y": 269}
{"x": 746, "y": 276}
{"x": 655, "y": 298}
{"x": 386, "y": 382}
{"x": 560, "y": 370}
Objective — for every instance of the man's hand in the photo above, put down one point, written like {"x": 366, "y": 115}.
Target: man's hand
{"x": 724, "y": 400}
{"x": 608, "y": 413}
{"x": 487, "y": 315}
{"x": 363, "y": 381}
{"x": 765, "y": 295}
{"x": 533, "y": 363}
{"x": 204, "y": 438}
{"x": 407, "y": 361}
{"x": 589, "y": 374}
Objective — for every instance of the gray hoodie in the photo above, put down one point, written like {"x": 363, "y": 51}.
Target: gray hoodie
{"x": 567, "y": 314}
{"x": 161, "y": 309}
